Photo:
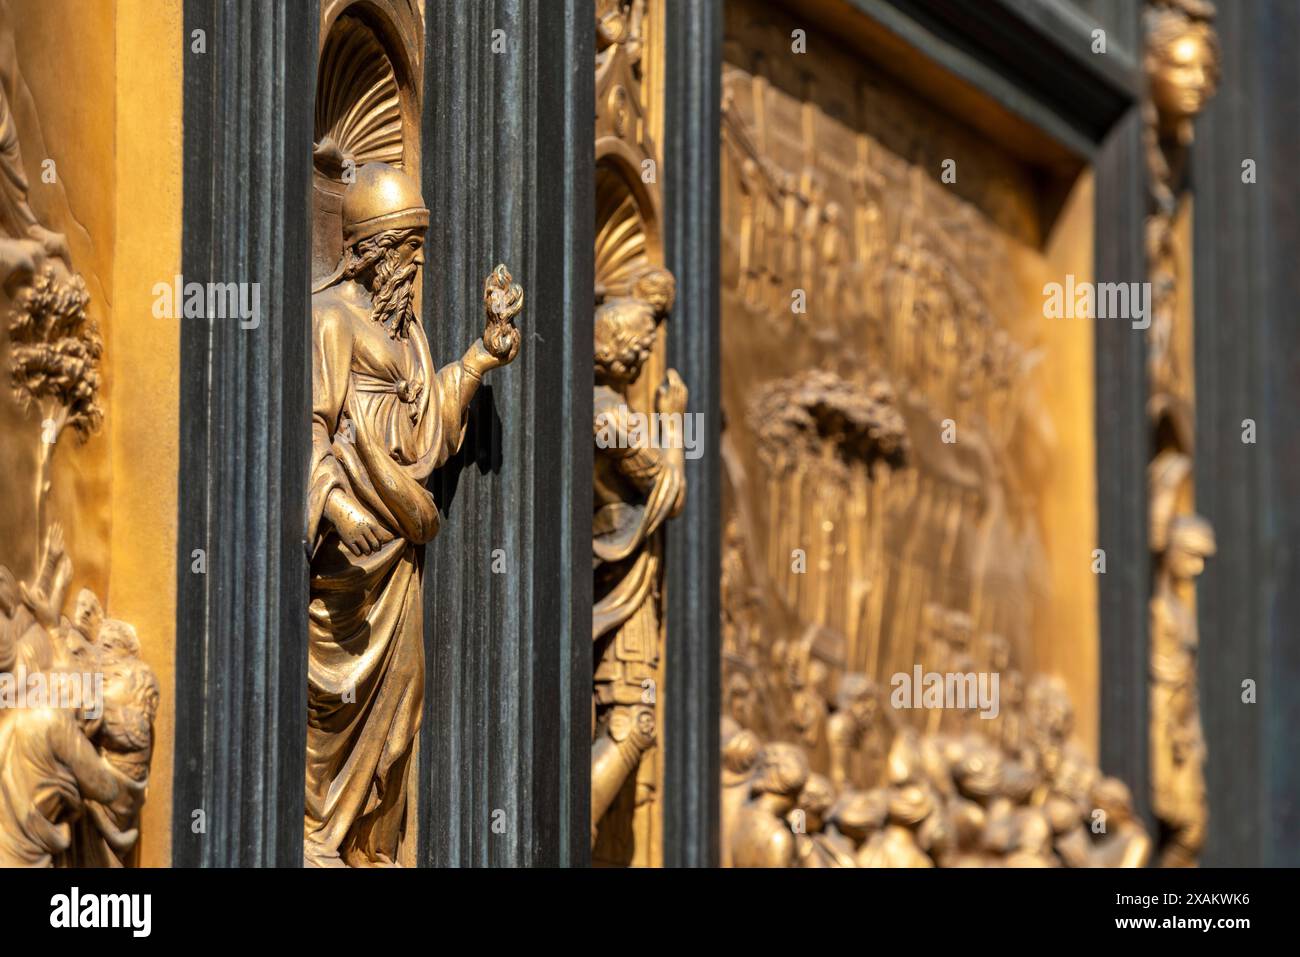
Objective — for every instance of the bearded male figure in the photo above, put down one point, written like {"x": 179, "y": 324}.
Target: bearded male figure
{"x": 382, "y": 419}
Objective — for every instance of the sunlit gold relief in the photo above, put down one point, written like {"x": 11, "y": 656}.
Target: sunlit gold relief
{"x": 77, "y": 703}
{"x": 889, "y": 450}
{"x": 639, "y": 479}
{"x": 1182, "y": 67}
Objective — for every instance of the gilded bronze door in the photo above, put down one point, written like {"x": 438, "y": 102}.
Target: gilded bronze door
{"x": 647, "y": 433}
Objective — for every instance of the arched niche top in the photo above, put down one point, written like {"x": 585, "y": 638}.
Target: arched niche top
{"x": 367, "y": 106}
{"x": 627, "y": 219}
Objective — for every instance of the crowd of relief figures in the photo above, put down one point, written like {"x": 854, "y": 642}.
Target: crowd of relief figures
{"x": 77, "y": 703}
{"x": 893, "y": 796}
{"x": 870, "y": 312}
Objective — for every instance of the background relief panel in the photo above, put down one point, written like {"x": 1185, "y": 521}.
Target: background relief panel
{"x": 89, "y": 231}
{"x": 907, "y": 455}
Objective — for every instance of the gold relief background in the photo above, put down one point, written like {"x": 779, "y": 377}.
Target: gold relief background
{"x": 924, "y": 303}
{"x": 110, "y": 118}
{"x": 63, "y": 112}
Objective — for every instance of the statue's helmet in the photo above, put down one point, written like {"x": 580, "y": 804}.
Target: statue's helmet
{"x": 381, "y": 198}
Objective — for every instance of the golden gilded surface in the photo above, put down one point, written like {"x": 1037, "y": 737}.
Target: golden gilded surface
{"x": 869, "y": 311}
{"x": 639, "y": 481}
{"x": 1182, "y": 66}
{"x": 77, "y": 730}
{"x": 900, "y": 499}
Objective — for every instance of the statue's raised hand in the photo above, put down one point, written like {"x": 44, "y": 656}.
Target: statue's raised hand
{"x": 671, "y": 395}
{"x": 502, "y": 301}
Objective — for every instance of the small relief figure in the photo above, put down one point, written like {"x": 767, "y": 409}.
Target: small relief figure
{"x": 1124, "y": 842}
{"x": 1067, "y": 805}
{"x": 854, "y": 818}
{"x": 1177, "y": 744}
{"x": 1182, "y": 70}
{"x": 76, "y": 748}
{"x": 53, "y": 774}
{"x": 976, "y": 772}
{"x": 639, "y": 484}
{"x": 818, "y": 846}
{"x": 1049, "y": 722}
{"x": 123, "y": 731}
{"x": 741, "y": 750}
{"x": 807, "y": 681}
{"x": 899, "y": 843}
{"x": 761, "y": 835}
{"x": 850, "y": 731}
{"x": 24, "y": 642}
{"x": 383, "y": 418}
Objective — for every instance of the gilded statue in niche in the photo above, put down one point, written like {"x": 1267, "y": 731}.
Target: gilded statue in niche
{"x": 639, "y": 473}
{"x": 1181, "y": 541}
{"x": 77, "y": 703}
{"x": 383, "y": 417}
{"x": 638, "y": 486}
{"x": 1182, "y": 67}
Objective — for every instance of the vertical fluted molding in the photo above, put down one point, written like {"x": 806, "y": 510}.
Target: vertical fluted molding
{"x": 1247, "y": 338}
{"x": 241, "y": 627}
{"x": 508, "y": 174}
{"x": 692, "y": 692}
{"x": 1122, "y": 455}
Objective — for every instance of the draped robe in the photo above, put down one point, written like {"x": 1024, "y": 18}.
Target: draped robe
{"x": 635, "y": 494}
{"x": 382, "y": 420}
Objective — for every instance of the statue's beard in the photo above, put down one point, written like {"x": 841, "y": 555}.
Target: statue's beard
{"x": 393, "y": 302}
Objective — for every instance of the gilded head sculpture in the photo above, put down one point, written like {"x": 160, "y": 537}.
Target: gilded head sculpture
{"x": 859, "y": 697}
{"x": 741, "y": 750}
{"x": 783, "y": 771}
{"x": 1191, "y": 541}
{"x": 978, "y": 772}
{"x": 384, "y": 221}
{"x": 625, "y": 326}
{"x": 858, "y": 813}
{"x": 910, "y": 804}
{"x": 1182, "y": 66}
{"x": 815, "y": 800}
{"x": 130, "y": 704}
{"x": 657, "y": 289}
